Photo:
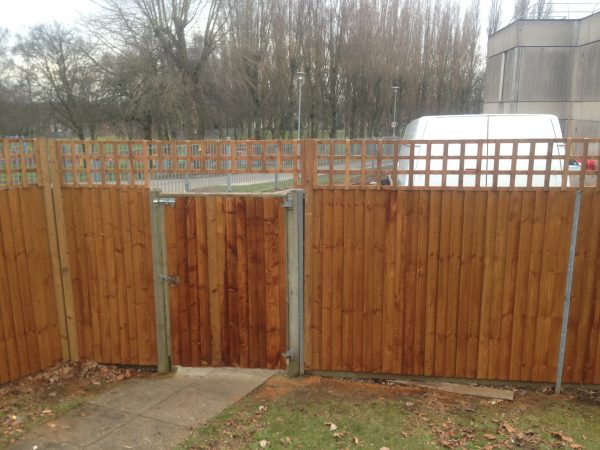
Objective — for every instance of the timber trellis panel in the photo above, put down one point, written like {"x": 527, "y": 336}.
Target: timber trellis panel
{"x": 415, "y": 262}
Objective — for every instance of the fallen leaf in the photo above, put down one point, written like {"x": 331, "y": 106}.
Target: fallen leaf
{"x": 409, "y": 404}
{"x": 489, "y": 437}
{"x": 508, "y": 427}
{"x": 384, "y": 448}
{"x": 575, "y": 446}
{"x": 262, "y": 408}
{"x": 263, "y": 443}
{"x": 405, "y": 434}
{"x": 355, "y": 440}
{"x": 332, "y": 426}
{"x": 559, "y": 435}
{"x": 51, "y": 424}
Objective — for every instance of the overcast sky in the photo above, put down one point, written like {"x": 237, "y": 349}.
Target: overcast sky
{"x": 18, "y": 15}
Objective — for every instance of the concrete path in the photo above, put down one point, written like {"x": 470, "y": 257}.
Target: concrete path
{"x": 147, "y": 413}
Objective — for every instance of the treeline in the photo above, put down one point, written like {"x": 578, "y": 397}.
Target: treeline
{"x": 217, "y": 68}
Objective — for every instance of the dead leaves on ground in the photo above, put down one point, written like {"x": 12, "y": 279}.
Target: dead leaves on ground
{"x": 566, "y": 439}
{"x": 23, "y": 401}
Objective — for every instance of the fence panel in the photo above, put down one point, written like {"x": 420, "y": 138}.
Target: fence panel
{"x": 110, "y": 254}
{"x": 29, "y": 331}
{"x": 582, "y": 355}
{"x": 229, "y": 308}
{"x": 454, "y": 284}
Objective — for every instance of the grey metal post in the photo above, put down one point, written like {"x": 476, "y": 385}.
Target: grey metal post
{"x": 295, "y": 281}
{"x": 569, "y": 284}
{"x": 228, "y": 182}
{"x": 276, "y": 181}
{"x": 161, "y": 296}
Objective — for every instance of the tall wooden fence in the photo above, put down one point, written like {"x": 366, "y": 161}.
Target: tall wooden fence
{"x": 110, "y": 256}
{"x": 452, "y": 284}
{"x": 29, "y": 328}
{"x": 229, "y": 306}
{"x": 417, "y": 262}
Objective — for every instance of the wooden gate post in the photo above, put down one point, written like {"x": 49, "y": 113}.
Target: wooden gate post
{"x": 159, "y": 269}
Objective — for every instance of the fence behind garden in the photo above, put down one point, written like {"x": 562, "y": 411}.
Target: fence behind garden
{"x": 417, "y": 260}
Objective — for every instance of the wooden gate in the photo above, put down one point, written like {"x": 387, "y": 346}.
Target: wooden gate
{"x": 228, "y": 307}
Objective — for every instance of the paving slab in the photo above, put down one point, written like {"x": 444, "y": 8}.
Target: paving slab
{"x": 157, "y": 412}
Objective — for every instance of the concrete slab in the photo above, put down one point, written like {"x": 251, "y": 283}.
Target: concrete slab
{"x": 157, "y": 412}
{"x": 143, "y": 433}
{"x": 138, "y": 395}
{"x": 204, "y": 397}
{"x": 79, "y": 428}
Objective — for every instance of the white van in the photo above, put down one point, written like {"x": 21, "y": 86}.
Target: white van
{"x": 481, "y": 127}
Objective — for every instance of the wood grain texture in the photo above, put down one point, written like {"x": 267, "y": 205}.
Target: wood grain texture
{"x": 455, "y": 284}
{"x": 229, "y": 308}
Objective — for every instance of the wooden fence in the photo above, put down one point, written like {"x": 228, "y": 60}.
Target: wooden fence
{"x": 29, "y": 328}
{"x": 110, "y": 256}
{"x": 229, "y": 307}
{"x": 410, "y": 268}
{"x": 453, "y": 284}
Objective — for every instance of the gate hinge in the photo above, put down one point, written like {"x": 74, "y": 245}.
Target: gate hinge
{"x": 287, "y": 203}
{"x": 166, "y": 201}
{"x": 173, "y": 280}
{"x": 288, "y": 354}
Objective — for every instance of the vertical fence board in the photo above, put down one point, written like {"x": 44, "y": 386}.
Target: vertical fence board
{"x": 458, "y": 284}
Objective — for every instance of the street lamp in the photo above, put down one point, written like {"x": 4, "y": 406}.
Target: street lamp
{"x": 394, "y": 123}
{"x": 300, "y": 80}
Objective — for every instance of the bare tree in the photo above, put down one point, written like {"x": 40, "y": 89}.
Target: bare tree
{"x": 182, "y": 33}
{"x": 58, "y": 73}
{"x": 542, "y": 9}
{"x": 521, "y": 9}
{"x": 494, "y": 17}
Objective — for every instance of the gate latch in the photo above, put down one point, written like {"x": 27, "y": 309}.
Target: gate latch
{"x": 173, "y": 280}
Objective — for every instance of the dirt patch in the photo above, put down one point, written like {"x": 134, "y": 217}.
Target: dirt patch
{"x": 317, "y": 388}
{"x": 43, "y": 396}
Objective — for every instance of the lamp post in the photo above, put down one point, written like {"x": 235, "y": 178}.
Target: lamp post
{"x": 394, "y": 123}
{"x": 300, "y": 80}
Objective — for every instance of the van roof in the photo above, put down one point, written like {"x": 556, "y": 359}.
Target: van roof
{"x": 484, "y": 126}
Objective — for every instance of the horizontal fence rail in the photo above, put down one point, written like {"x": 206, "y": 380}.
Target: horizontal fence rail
{"x": 227, "y": 166}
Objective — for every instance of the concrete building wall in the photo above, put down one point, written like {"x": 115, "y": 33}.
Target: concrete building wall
{"x": 549, "y": 67}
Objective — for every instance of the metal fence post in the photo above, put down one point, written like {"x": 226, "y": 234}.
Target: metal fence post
{"x": 295, "y": 281}
{"x": 161, "y": 296}
{"x": 569, "y": 284}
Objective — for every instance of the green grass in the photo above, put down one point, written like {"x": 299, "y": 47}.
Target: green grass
{"x": 375, "y": 416}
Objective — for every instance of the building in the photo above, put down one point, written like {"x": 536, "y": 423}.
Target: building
{"x": 547, "y": 66}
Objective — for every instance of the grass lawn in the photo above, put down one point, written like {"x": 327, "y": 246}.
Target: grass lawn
{"x": 328, "y": 413}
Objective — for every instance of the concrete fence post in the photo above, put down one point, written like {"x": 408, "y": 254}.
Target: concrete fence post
{"x": 159, "y": 269}
{"x": 295, "y": 281}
